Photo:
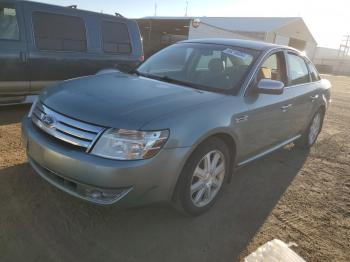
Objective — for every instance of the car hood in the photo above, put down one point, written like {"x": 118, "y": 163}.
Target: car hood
{"x": 121, "y": 100}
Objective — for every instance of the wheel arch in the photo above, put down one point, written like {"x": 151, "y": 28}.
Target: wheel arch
{"x": 223, "y": 135}
{"x": 323, "y": 107}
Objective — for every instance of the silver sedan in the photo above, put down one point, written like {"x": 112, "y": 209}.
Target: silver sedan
{"x": 175, "y": 129}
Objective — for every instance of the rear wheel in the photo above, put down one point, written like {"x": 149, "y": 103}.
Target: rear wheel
{"x": 202, "y": 178}
{"x": 310, "y": 136}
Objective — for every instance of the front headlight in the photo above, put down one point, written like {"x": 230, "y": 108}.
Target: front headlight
{"x": 124, "y": 144}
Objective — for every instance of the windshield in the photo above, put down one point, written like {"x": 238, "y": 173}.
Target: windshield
{"x": 204, "y": 66}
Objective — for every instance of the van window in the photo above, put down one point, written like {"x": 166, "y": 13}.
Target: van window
{"x": 115, "y": 38}
{"x": 297, "y": 70}
{"x": 59, "y": 32}
{"x": 8, "y": 23}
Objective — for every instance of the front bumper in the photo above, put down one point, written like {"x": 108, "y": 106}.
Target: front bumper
{"x": 84, "y": 175}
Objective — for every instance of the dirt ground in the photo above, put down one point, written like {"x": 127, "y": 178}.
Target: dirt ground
{"x": 292, "y": 195}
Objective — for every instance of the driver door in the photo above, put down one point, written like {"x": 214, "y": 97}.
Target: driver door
{"x": 270, "y": 116}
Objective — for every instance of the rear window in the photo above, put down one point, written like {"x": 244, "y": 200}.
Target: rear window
{"x": 59, "y": 32}
{"x": 313, "y": 72}
{"x": 115, "y": 38}
{"x": 297, "y": 70}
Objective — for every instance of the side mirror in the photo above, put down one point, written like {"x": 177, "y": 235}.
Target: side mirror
{"x": 272, "y": 87}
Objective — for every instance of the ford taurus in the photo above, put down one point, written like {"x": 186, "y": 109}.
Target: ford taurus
{"x": 175, "y": 129}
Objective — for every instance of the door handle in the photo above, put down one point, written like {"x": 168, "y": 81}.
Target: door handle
{"x": 285, "y": 108}
{"x": 313, "y": 98}
{"x": 241, "y": 119}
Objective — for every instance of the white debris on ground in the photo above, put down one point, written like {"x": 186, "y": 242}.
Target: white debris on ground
{"x": 274, "y": 251}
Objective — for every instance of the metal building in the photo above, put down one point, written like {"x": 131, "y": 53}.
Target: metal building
{"x": 331, "y": 61}
{"x": 158, "y": 32}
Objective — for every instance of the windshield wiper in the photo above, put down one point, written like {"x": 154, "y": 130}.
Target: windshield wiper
{"x": 176, "y": 81}
{"x": 136, "y": 72}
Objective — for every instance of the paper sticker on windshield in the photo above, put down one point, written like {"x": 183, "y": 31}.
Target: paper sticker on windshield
{"x": 236, "y": 53}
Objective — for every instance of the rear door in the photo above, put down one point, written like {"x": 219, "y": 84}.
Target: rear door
{"x": 299, "y": 80}
{"x": 316, "y": 86}
{"x": 14, "y": 78}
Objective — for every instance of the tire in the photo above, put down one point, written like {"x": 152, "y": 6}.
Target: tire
{"x": 309, "y": 137}
{"x": 193, "y": 196}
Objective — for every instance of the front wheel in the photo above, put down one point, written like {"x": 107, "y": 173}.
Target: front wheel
{"x": 202, "y": 178}
{"x": 310, "y": 136}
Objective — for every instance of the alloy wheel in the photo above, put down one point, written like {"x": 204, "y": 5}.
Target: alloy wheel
{"x": 207, "y": 178}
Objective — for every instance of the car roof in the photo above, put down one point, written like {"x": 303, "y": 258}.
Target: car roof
{"x": 257, "y": 45}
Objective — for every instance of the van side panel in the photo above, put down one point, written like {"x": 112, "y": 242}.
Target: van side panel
{"x": 14, "y": 71}
{"x": 49, "y": 66}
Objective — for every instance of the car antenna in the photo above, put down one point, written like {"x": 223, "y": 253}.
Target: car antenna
{"x": 119, "y": 15}
{"x": 72, "y": 6}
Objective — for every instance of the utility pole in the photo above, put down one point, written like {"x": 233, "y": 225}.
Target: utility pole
{"x": 186, "y": 8}
{"x": 155, "y": 8}
{"x": 344, "y": 48}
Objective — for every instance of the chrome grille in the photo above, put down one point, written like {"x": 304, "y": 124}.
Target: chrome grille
{"x": 64, "y": 128}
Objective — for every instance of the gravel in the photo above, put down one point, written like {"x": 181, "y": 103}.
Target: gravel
{"x": 292, "y": 195}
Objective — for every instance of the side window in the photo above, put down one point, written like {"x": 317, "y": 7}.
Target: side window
{"x": 314, "y": 74}
{"x": 297, "y": 70}
{"x": 8, "y": 23}
{"x": 273, "y": 68}
{"x": 59, "y": 32}
{"x": 115, "y": 38}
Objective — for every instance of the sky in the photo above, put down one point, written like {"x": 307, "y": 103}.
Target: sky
{"x": 327, "y": 20}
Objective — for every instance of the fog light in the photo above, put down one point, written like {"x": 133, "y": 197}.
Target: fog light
{"x": 102, "y": 196}
{"x": 95, "y": 194}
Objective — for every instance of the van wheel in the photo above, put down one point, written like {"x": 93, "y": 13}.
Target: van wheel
{"x": 202, "y": 178}
{"x": 310, "y": 135}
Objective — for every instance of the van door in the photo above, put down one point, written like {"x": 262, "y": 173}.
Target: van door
{"x": 57, "y": 45}
{"x": 14, "y": 77}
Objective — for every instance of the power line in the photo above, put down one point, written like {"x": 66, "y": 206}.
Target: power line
{"x": 344, "y": 48}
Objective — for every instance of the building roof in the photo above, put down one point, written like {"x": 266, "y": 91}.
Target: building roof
{"x": 249, "y": 24}
{"x": 243, "y": 24}
{"x": 166, "y": 18}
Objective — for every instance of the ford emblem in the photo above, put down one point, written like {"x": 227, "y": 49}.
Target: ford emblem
{"x": 48, "y": 120}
